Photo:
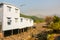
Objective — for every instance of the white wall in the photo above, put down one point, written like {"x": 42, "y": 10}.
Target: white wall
{"x": 26, "y": 22}
{"x": 4, "y": 13}
{"x": 13, "y": 15}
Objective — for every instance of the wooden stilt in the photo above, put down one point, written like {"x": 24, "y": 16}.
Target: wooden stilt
{"x": 31, "y": 30}
{"x": 23, "y": 29}
{"x": 3, "y": 35}
{"x": 12, "y": 32}
{"x": 23, "y": 33}
{"x": 18, "y": 31}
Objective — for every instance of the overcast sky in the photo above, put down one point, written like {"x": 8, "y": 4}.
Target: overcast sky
{"x": 37, "y": 7}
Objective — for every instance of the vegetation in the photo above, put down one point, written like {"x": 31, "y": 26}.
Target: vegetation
{"x": 36, "y": 19}
{"x": 54, "y": 22}
{"x": 50, "y": 37}
{"x": 56, "y": 19}
{"x": 48, "y": 20}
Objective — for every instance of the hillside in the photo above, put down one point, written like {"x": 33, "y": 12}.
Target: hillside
{"x": 36, "y": 19}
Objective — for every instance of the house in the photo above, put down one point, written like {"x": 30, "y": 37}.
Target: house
{"x": 10, "y": 20}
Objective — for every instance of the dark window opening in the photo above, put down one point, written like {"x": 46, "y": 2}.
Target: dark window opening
{"x": 9, "y": 20}
{"x": 16, "y": 19}
{"x": 16, "y": 10}
{"x": 9, "y": 8}
{"x": 21, "y": 19}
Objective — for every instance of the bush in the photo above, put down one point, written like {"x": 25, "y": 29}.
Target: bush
{"x": 56, "y": 23}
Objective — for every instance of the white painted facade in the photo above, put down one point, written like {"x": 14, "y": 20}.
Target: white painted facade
{"x": 12, "y": 15}
{"x": 25, "y": 22}
{"x": 10, "y": 18}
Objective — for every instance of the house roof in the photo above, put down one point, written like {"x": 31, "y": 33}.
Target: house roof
{"x": 10, "y": 4}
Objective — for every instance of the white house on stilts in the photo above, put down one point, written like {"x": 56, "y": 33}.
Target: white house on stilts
{"x": 10, "y": 20}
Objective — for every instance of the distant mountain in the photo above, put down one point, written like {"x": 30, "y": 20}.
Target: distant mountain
{"x": 36, "y": 19}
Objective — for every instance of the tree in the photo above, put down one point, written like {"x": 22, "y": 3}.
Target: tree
{"x": 56, "y": 19}
{"x": 56, "y": 23}
{"x": 48, "y": 20}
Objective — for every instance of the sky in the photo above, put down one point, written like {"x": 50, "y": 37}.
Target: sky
{"x": 37, "y": 7}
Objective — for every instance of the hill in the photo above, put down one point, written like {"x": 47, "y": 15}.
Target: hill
{"x": 36, "y": 19}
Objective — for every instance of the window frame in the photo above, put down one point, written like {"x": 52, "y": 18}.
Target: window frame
{"x": 21, "y": 19}
{"x": 9, "y": 20}
{"x": 9, "y": 8}
{"x": 16, "y": 10}
{"x": 16, "y": 19}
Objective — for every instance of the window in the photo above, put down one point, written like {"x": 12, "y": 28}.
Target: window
{"x": 9, "y": 8}
{"x": 9, "y": 20}
{"x": 30, "y": 20}
{"x": 16, "y": 19}
{"x": 21, "y": 19}
{"x": 26, "y": 19}
{"x": 16, "y": 10}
